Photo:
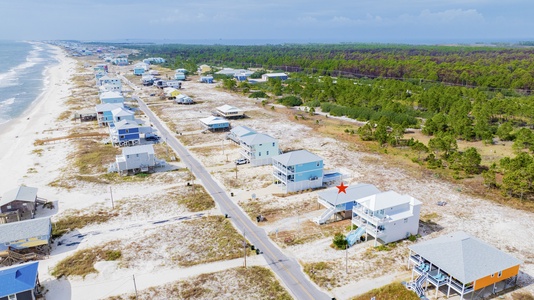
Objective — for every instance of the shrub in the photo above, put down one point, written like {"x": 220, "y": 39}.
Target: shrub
{"x": 340, "y": 241}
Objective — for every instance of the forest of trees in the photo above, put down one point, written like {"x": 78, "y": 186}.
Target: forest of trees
{"x": 452, "y": 93}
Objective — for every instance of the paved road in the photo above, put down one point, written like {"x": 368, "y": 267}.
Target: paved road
{"x": 287, "y": 269}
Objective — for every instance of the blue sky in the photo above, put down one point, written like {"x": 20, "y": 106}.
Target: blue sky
{"x": 307, "y": 20}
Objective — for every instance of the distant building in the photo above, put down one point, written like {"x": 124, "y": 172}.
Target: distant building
{"x": 121, "y": 114}
{"x": 179, "y": 76}
{"x": 140, "y": 69}
{"x": 298, "y": 170}
{"x": 111, "y": 97}
{"x": 259, "y": 148}
{"x": 183, "y": 99}
{"x": 204, "y": 69}
{"x": 120, "y": 61}
{"x": 281, "y": 76}
{"x": 19, "y": 282}
{"x": 174, "y": 84}
{"x": 229, "y": 111}
{"x": 206, "y": 79}
{"x": 114, "y": 83}
{"x": 215, "y": 123}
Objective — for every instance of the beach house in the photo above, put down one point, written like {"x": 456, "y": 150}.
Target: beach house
{"x": 135, "y": 160}
{"x": 179, "y": 76}
{"x": 174, "y": 84}
{"x": 104, "y": 113}
{"x": 111, "y": 97}
{"x": 98, "y": 75}
{"x": 120, "y": 61}
{"x": 171, "y": 93}
{"x": 213, "y": 123}
{"x": 243, "y": 76}
{"x": 206, "y": 79}
{"x": 259, "y": 148}
{"x": 125, "y": 133}
{"x": 204, "y": 69}
{"x": 181, "y": 70}
{"x": 340, "y": 204}
{"x": 298, "y": 170}
{"x": 33, "y": 233}
{"x": 19, "y": 282}
{"x": 114, "y": 84}
{"x": 281, "y": 76}
{"x": 140, "y": 69}
{"x": 387, "y": 216}
{"x": 147, "y": 79}
{"x": 121, "y": 114}
{"x": 183, "y": 99}
{"x": 238, "y": 132}
{"x": 461, "y": 264}
{"x": 18, "y": 204}
{"x": 229, "y": 112}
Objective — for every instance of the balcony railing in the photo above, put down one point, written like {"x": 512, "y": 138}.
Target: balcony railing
{"x": 282, "y": 177}
{"x": 365, "y": 213}
{"x": 284, "y": 169}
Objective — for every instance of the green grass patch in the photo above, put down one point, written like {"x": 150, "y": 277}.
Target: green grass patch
{"x": 196, "y": 199}
{"x": 82, "y": 262}
{"x": 79, "y": 219}
{"x": 393, "y": 291}
{"x": 93, "y": 156}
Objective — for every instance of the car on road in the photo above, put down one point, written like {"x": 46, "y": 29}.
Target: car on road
{"x": 241, "y": 161}
{"x": 152, "y": 137}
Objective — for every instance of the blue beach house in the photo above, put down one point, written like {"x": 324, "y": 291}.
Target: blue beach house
{"x": 259, "y": 148}
{"x": 125, "y": 133}
{"x": 25, "y": 234}
{"x": 213, "y": 123}
{"x": 206, "y": 79}
{"x": 104, "y": 114}
{"x": 19, "y": 282}
{"x": 121, "y": 114}
{"x": 298, "y": 170}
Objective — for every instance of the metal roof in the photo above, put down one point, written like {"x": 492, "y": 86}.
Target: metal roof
{"x": 240, "y": 131}
{"x": 107, "y": 106}
{"x": 386, "y": 200}
{"x": 296, "y": 158}
{"x": 228, "y": 108}
{"x": 16, "y": 231}
{"x": 138, "y": 149}
{"x": 126, "y": 124}
{"x": 258, "y": 138}
{"x": 111, "y": 94}
{"x": 21, "y": 193}
{"x": 18, "y": 278}
{"x": 211, "y": 120}
{"x": 464, "y": 257}
{"x": 354, "y": 192}
{"x": 121, "y": 112}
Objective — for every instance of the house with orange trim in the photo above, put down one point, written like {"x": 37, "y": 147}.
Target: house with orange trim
{"x": 461, "y": 264}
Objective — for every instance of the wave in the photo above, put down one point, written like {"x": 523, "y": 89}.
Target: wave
{"x": 9, "y": 78}
{"x": 7, "y": 102}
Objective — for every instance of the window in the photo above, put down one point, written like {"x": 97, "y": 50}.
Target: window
{"x": 127, "y": 156}
{"x": 406, "y": 220}
{"x": 273, "y": 144}
{"x": 137, "y": 155}
{"x": 500, "y": 274}
{"x": 259, "y": 153}
{"x": 12, "y": 297}
{"x": 492, "y": 275}
{"x": 267, "y": 153}
{"x": 318, "y": 163}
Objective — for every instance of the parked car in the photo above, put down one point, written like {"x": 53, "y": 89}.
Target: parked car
{"x": 241, "y": 161}
{"x": 151, "y": 137}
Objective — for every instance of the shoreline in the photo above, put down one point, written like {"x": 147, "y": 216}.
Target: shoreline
{"x": 20, "y": 133}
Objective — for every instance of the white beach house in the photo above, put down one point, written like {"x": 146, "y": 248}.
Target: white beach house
{"x": 238, "y": 132}
{"x": 229, "y": 111}
{"x": 111, "y": 97}
{"x": 136, "y": 159}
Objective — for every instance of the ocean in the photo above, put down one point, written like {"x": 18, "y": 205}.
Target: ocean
{"x": 22, "y": 75}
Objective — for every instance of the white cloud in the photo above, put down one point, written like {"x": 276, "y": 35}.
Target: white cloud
{"x": 451, "y": 15}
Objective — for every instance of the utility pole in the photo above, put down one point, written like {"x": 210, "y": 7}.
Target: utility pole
{"x": 236, "y": 171}
{"x": 111, "y": 195}
{"x": 135, "y": 286}
{"x": 347, "y": 258}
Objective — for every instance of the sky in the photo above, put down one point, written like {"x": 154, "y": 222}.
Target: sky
{"x": 382, "y": 21}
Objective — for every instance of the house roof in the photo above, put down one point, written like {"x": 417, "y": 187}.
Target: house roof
{"x": 15, "y": 231}
{"x": 18, "y": 278}
{"x": 275, "y": 74}
{"x": 125, "y": 124}
{"x": 354, "y": 192}
{"x": 138, "y": 149}
{"x": 108, "y": 106}
{"x": 211, "y": 120}
{"x": 111, "y": 94}
{"x": 21, "y": 193}
{"x": 228, "y": 108}
{"x": 386, "y": 200}
{"x": 258, "y": 138}
{"x": 121, "y": 112}
{"x": 464, "y": 257}
{"x": 240, "y": 131}
{"x": 297, "y": 157}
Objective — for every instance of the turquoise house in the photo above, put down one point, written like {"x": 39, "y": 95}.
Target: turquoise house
{"x": 104, "y": 114}
{"x": 259, "y": 148}
{"x": 138, "y": 70}
{"x": 213, "y": 123}
{"x": 19, "y": 282}
{"x": 298, "y": 170}
{"x": 179, "y": 76}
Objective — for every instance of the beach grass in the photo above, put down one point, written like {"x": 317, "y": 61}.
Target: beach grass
{"x": 77, "y": 219}
{"x": 238, "y": 283}
{"x": 196, "y": 199}
{"x": 393, "y": 291}
{"x": 82, "y": 262}
{"x": 93, "y": 156}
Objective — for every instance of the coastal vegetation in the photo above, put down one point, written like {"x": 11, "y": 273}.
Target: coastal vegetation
{"x": 82, "y": 262}
{"x": 460, "y": 98}
{"x": 392, "y": 291}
